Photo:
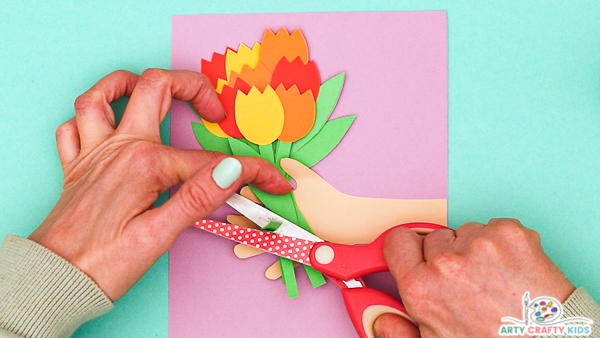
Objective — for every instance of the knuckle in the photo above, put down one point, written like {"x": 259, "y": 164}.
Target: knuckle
{"x": 506, "y": 221}
{"x": 449, "y": 265}
{"x": 87, "y": 100}
{"x": 203, "y": 80}
{"x": 66, "y": 128}
{"x": 214, "y": 155}
{"x": 510, "y": 229}
{"x": 154, "y": 77}
{"x": 196, "y": 199}
{"x": 535, "y": 235}
{"x": 471, "y": 224}
{"x": 485, "y": 246}
{"x": 121, "y": 73}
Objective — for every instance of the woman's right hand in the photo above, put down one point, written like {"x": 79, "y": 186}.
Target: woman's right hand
{"x": 461, "y": 283}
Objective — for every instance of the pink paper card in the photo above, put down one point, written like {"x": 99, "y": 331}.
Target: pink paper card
{"x": 397, "y": 86}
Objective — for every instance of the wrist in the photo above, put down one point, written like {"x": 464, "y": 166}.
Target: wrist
{"x": 42, "y": 292}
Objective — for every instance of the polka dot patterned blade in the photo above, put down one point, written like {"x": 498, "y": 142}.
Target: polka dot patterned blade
{"x": 291, "y": 248}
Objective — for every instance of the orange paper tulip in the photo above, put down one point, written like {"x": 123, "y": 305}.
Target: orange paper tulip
{"x": 299, "y": 113}
{"x": 245, "y": 80}
{"x": 274, "y": 47}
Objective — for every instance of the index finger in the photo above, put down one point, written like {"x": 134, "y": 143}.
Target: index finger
{"x": 403, "y": 252}
{"x": 152, "y": 96}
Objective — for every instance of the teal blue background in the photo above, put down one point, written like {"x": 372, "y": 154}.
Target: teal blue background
{"x": 524, "y": 112}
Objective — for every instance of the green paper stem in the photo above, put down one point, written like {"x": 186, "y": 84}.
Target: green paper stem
{"x": 208, "y": 141}
{"x": 315, "y": 277}
{"x": 266, "y": 152}
{"x": 272, "y": 226}
{"x": 300, "y": 220}
{"x": 329, "y": 94}
{"x": 288, "y": 276}
{"x": 240, "y": 148}
{"x": 282, "y": 151}
{"x": 324, "y": 142}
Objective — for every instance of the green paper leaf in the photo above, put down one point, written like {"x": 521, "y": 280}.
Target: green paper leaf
{"x": 329, "y": 94}
{"x": 250, "y": 144}
{"x": 288, "y": 275}
{"x": 316, "y": 278}
{"x": 282, "y": 205}
{"x": 240, "y": 148}
{"x": 324, "y": 142}
{"x": 208, "y": 141}
{"x": 283, "y": 150}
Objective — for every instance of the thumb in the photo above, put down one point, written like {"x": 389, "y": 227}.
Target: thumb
{"x": 393, "y": 326}
{"x": 208, "y": 189}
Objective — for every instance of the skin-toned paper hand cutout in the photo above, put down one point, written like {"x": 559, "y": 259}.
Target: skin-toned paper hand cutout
{"x": 340, "y": 218}
{"x": 320, "y": 203}
{"x": 243, "y": 251}
{"x": 247, "y": 192}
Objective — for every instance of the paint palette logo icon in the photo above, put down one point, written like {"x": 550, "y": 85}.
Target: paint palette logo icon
{"x": 545, "y": 310}
{"x": 544, "y": 315}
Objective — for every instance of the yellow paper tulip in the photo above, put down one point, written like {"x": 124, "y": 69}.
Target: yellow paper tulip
{"x": 259, "y": 116}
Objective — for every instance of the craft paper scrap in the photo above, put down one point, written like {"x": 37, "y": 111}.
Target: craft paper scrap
{"x": 382, "y": 77}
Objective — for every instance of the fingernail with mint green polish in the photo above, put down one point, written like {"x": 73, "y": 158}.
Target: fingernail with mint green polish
{"x": 227, "y": 172}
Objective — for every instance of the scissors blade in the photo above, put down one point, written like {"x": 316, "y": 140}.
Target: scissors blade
{"x": 262, "y": 217}
{"x": 295, "y": 249}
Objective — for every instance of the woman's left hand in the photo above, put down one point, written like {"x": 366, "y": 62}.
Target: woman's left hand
{"x": 104, "y": 222}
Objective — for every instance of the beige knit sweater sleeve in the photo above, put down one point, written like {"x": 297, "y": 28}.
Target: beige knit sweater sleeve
{"x": 42, "y": 294}
{"x": 581, "y": 304}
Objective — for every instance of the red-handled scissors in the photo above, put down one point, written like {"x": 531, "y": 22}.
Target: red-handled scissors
{"x": 343, "y": 264}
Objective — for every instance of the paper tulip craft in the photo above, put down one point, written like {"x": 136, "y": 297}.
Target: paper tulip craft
{"x": 276, "y": 108}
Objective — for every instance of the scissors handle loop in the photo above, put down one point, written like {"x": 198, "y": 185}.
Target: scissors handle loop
{"x": 364, "y": 305}
{"x": 349, "y": 261}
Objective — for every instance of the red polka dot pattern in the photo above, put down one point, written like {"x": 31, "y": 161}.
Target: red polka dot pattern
{"x": 289, "y": 247}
